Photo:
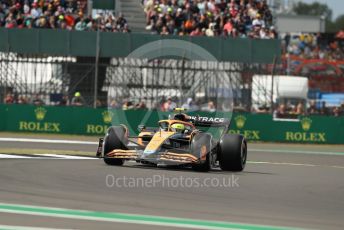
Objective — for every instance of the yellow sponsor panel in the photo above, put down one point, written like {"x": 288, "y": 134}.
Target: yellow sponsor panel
{"x": 306, "y": 124}
{"x": 107, "y": 116}
{"x": 96, "y": 129}
{"x": 305, "y": 137}
{"x": 248, "y": 134}
{"x": 39, "y": 126}
{"x": 240, "y": 121}
{"x": 40, "y": 113}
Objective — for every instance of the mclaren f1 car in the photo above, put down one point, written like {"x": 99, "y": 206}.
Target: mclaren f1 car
{"x": 181, "y": 140}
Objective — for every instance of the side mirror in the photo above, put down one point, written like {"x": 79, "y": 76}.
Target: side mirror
{"x": 140, "y": 128}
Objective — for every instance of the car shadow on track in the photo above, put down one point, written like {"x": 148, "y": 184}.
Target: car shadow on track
{"x": 189, "y": 169}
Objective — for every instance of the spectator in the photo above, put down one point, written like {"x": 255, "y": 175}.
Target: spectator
{"x": 37, "y": 100}
{"x": 299, "y": 110}
{"x": 258, "y": 22}
{"x": 281, "y": 110}
{"x": 324, "y": 110}
{"x": 141, "y": 105}
{"x": 78, "y": 100}
{"x": 22, "y": 100}
{"x": 36, "y": 11}
{"x": 164, "y": 31}
{"x": 9, "y": 99}
{"x": 211, "y": 107}
{"x": 64, "y": 101}
{"x": 196, "y": 32}
{"x": 127, "y": 105}
{"x": 169, "y": 105}
{"x": 99, "y": 103}
{"x": 190, "y": 105}
{"x": 261, "y": 109}
{"x": 113, "y": 104}
{"x": 312, "y": 109}
{"x": 286, "y": 40}
{"x": 337, "y": 111}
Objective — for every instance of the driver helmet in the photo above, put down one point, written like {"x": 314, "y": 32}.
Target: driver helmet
{"x": 177, "y": 127}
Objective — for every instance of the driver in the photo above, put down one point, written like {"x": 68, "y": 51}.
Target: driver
{"x": 179, "y": 128}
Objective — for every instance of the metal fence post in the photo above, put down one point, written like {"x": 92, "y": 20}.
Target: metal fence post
{"x": 272, "y": 84}
{"x": 96, "y": 68}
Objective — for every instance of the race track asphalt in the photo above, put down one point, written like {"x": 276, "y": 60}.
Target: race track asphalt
{"x": 277, "y": 188}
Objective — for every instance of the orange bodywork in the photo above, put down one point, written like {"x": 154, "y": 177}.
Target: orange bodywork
{"x": 120, "y": 153}
{"x": 177, "y": 157}
{"x": 158, "y": 139}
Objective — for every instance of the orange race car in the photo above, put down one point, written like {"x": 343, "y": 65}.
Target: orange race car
{"x": 200, "y": 142}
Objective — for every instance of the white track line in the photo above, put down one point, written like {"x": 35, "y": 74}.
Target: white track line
{"x": 45, "y": 156}
{"x": 296, "y": 151}
{"x": 51, "y": 141}
{"x": 10, "y": 227}
{"x": 67, "y": 157}
{"x": 7, "y": 156}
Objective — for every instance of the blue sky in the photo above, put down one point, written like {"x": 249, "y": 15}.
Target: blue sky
{"x": 337, "y": 6}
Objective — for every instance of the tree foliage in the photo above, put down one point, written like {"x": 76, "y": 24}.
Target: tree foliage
{"x": 313, "y": 9}
{"x": 320, "y": 9}
{"x": 336, "y": 25}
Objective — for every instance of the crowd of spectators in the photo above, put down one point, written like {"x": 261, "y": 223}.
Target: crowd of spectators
{"x": 11, "y": 98}
{"x": 39, "y": 99}
{"x": 314, "y": 45}
{"x": 57, "y": 14}
{"x": 167, "y": 105}
{"x": 283, "y": 110}
{"x": 287, "y": 110}
{"x": 234, "y": 18}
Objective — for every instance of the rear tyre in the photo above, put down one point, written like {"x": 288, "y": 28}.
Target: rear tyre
{"x": 201, "y": 147}
{"x": 232, "y": 152}
{"x": 114, "y": 139}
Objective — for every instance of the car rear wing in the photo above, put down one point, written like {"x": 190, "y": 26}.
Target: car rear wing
{"x": 209, "y": 121}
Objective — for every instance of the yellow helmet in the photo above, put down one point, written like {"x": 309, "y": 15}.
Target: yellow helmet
{"x": 177, "y": 127}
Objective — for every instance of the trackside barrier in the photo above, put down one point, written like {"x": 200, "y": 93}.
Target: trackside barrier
{"x": 83, "y": 44}
{"x": 88, "y": 121}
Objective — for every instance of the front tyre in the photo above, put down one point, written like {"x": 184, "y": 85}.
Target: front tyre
{"x": 115, "y": 138}
{"x": 232, "y": 152}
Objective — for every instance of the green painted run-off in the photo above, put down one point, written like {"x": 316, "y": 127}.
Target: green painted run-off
{"x": 130, "y": 218}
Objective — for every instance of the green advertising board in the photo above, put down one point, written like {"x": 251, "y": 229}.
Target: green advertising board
{"x": 311, "y": 129}
{"x": 88, "y": 121}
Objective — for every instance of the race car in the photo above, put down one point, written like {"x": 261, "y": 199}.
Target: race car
{"x": 177, "y": 141}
